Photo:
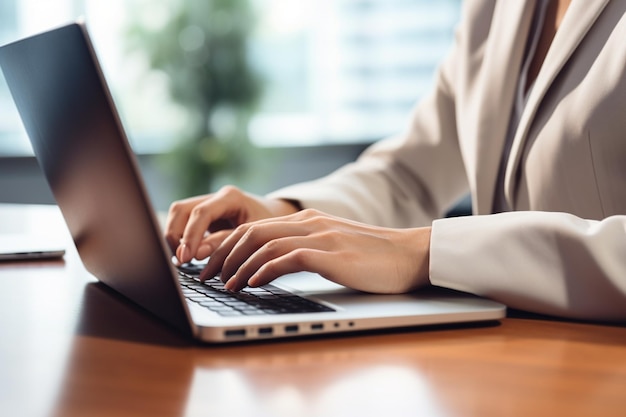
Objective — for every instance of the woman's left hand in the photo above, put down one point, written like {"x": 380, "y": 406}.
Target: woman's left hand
{"x": 367, "y": 258}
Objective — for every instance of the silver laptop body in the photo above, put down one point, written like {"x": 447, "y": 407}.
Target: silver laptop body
{"x": 80, "y": 144}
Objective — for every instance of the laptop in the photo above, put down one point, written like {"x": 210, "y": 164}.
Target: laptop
{"x": 78, "y": 139}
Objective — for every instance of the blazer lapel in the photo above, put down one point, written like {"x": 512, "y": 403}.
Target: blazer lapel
{"x": 503, "y": 58}
{"x": 578, "y": 19}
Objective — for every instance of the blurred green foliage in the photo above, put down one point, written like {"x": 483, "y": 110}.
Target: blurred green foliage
{"x": 202, "y": 48}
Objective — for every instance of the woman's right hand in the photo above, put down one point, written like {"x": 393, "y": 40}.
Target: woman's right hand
{"x": 196, "y": 226}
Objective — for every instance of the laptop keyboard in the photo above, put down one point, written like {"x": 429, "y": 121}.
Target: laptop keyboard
{"x": 267, "y": 299}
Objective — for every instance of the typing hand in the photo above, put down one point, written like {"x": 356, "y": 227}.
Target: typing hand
{"x": 359, "y": 256}
{"x": 197, "y": 225}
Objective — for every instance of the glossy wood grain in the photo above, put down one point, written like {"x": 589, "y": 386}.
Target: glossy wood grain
{"x": 71, "y": 347}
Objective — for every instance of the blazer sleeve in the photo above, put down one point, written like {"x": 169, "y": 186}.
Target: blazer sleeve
{"x": 406, "y": 180}
{"x": 545, "y": 262}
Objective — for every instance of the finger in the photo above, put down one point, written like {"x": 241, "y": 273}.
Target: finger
{"x": 329, "y": 264}
{"x": 303, "y": 259}
{"x": 270, "y": 251}
{"x": 200, "y": 219}
{"x": 214, "y": 265}
{"x": 283, "y": 226}
{"x": 219, "y": 255}
{"x": 210, "y": 242}
{"x": 256, "y": 237}
{"x": 177, "y": 218}
{"x": 243, "y": 242}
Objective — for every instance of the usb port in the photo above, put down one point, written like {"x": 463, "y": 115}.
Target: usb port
{"x": 293, "y": 328}
{"x": 235, "y": 333}
{"x": 265, "y": 330}
{"x": 317, "y": 326}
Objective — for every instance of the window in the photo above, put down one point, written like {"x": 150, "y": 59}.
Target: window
{"x": 10, "y": 142}
{"x": 335, "y": 71}
{"x": 18, "y": 18}
{"x": 346, "y": 70}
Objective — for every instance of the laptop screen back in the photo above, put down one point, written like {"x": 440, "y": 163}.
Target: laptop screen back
{"x": 79, "y": 142}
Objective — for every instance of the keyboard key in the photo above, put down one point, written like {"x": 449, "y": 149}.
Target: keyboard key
{"x": 250, "y": 301}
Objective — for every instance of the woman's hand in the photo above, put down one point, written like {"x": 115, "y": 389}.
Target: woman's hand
{"x": 366, "y": 258}
{"x": 189, "y": 220}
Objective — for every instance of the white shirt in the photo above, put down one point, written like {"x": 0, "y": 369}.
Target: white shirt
{"x": 519, "y": 103}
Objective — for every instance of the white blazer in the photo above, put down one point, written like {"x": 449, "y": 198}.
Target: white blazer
{"x": 562, "y": 250}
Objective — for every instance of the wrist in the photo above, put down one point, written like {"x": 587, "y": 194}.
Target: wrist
{"x": 420, "y": 242}
{"x": 282, "y": 207}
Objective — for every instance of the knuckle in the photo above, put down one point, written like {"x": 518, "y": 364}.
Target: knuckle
{"x": 331, "y": 237}
{"x": 230, "y": 191}
{"x": 316, "y": 217}
{"x": 176, "y": 207}
{"x": 199, "y": 211}
{"x": 272, "y": 247}
{"x": 241, "y": 229}
{"x": 300, "y": 257}
{"x": 252, "y": 233}
{"x": 310, "y": 212}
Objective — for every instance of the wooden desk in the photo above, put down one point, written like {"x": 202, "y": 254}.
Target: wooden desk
{"x": 71, "y": 347}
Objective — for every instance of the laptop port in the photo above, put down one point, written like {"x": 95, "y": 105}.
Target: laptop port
{"x": 235, "y": 333}
{"x": 265, "y": 331}
{"x": 317, "y": 326}
{"x": 293, "y": 328}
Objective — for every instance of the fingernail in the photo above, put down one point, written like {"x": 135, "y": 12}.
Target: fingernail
{"x": 205, "y": 275}
{"x": 185, "y": 252}
{"x": 230, "y": 285}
